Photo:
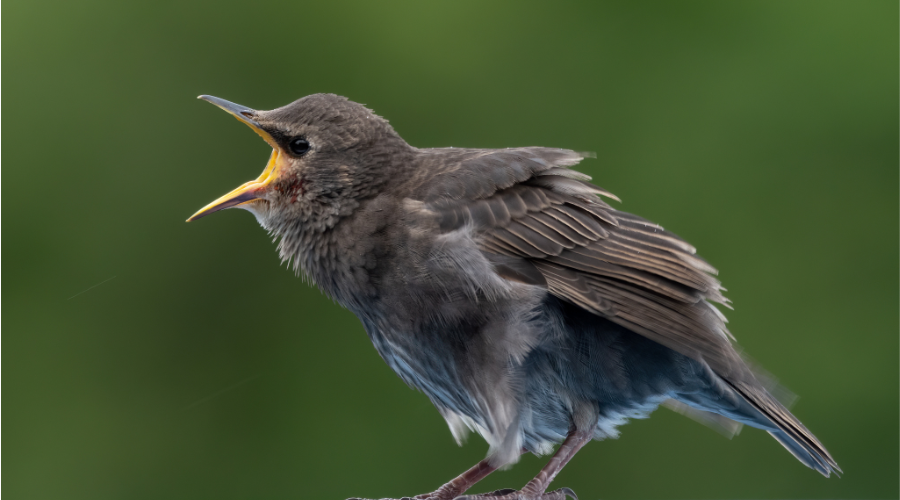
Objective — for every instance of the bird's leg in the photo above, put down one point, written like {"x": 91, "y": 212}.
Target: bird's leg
{"x": 536, "y": 488}
{"x": 458, "y": 485}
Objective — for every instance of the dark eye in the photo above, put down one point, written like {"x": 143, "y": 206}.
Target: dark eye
{"x": 299, "y": 146}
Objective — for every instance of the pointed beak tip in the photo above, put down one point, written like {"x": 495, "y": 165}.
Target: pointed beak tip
{"x": 203, "y": 212}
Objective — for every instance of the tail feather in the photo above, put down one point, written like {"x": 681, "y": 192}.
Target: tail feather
{"x": 720, "y": 423}
{"x": 801, "y": 453}
{"x": 792, "y": 434}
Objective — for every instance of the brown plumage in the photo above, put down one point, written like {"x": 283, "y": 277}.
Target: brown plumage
{"x": 500, "y": 284}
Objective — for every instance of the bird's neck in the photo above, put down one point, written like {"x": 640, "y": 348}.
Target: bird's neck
{"x": 334, "y": 255}
{"x": 330, "y": 233}
{"x": 337, "y": 245}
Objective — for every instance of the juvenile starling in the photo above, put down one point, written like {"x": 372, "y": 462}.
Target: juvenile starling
{"x": 500, "y": 284}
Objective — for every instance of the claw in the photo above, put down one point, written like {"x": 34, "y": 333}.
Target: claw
{"x": 568, "y": 492}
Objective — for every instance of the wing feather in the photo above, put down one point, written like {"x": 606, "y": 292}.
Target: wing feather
{"x": 525, "y": 203}
{"x": 539, "y": 242}
{"x": 553, "y": 234}
{"x": 561, "y": 228}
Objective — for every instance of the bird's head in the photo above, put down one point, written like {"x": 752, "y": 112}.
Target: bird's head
{"x": 328, "y": 153}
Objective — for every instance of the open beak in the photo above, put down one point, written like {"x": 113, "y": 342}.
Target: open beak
{"x": 249, "y": 191}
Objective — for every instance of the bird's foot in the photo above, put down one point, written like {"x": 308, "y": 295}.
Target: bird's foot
{"x": 401, "y": 498}
{"x": 443, "y": 493}
{"x": 504, "y": 494}
{"x": 510, "y": 494}
{"x": 451, "y": 490}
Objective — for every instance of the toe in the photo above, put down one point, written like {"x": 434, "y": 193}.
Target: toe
{"x": 504, "y": 494}
{"x": 567, "y": 492}
{"x": 510, "y": 494}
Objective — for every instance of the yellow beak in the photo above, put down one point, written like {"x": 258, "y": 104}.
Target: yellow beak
{"x": 252, "y": 190}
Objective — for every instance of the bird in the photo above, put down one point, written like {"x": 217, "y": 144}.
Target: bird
{"x": 502, "y": 285}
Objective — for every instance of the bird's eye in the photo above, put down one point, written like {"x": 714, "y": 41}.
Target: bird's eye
{"x": 299, "y": 146}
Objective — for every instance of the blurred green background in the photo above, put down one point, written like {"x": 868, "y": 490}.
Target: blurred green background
{"x": 765, "y": 133}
